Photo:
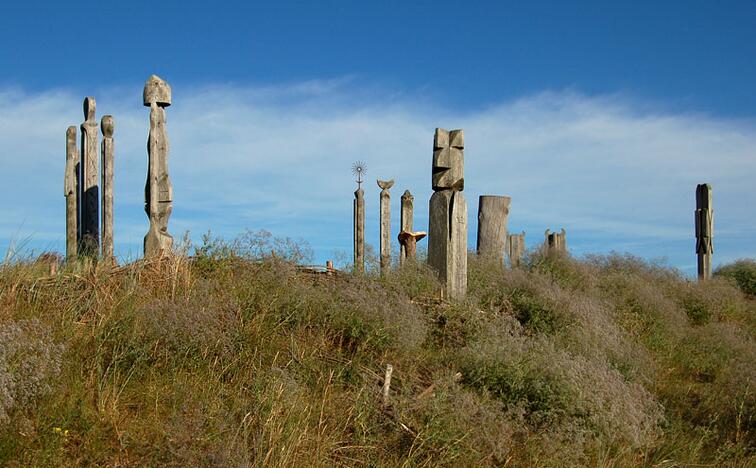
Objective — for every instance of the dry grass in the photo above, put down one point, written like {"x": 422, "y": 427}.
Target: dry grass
{"x": 233, "y": 358}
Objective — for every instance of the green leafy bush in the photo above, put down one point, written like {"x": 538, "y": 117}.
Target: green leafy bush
{"x": 743, "y": 272}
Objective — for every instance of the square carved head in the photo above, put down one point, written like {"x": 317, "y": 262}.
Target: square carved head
{"x": 449, "y": 160}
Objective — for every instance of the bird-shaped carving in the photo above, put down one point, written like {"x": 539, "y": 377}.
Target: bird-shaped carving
{"x": 385, "y": 184}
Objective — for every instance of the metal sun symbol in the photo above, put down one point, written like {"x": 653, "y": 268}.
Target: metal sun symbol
{"x": 359, "y": 169}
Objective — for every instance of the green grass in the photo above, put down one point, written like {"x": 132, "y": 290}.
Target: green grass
{"x": 234, "y": 358}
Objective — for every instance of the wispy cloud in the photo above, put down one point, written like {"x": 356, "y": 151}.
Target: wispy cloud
{"x": 615, "y": 173}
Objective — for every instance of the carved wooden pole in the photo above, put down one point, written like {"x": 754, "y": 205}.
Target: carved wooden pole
{"x": 158, "y": 189}
{"x": 359, "y": 230}
{"x": 408, "y": 240}
{"x": 704, "y": 230}
{"x": 556, "y": 242}
{"x": 71, "y": 191}
{"x": 90, "y": 178}
{"x": 406, "y": 215}
{"x": 493, "y": 214}
{"x": 516, "y": 249}
{"x": 447, "y": 220}
{"x": 385, "y": 239}
{"x": 108, "y": 154}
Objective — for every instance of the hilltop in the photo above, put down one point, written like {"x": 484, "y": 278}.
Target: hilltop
{"x": 234, "y": 358}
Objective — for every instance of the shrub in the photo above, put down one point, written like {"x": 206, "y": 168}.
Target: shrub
{"x": 562, "y": 392}
{"x": 743, "y": 272}
{"x": 29, "y": 361}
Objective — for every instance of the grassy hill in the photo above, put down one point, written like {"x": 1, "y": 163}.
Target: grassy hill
{"x": 224, "y": 359}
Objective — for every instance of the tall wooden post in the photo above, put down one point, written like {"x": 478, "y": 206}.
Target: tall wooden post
{"x": 704, "y": 230}
{"x": 90, "y": 182}
{"x": 71, "y": 191}
{"x": 447, "y": 214}
{"x": 493, "y": 214}
{"x": 108, "y": 154}
{"x": 385, "y": 239}
{"x": 359, "y": 230}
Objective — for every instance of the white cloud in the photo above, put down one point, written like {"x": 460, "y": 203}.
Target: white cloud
{"x": 615, "y": 173}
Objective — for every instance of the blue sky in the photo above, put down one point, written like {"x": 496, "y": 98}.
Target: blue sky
{"x": 597, "y": 116}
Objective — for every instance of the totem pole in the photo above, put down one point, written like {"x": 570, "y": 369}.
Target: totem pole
{"x": 704, "y": 230}
{"x": 406, "y": 215}
{"x": 385, "y": 220}
{"x": 447, "y": 220}
{"x": 158, "y": 192}
{"x": 108, "y": 154}
{"x": 71, "y": 191}
{"x": 358, "y": 169}
{"x": 493, "y": 214}
{"x": 90, "y": 178}
{"x": 407, "y": 237}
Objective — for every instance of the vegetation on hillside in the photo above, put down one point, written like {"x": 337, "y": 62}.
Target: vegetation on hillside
{"x": 743, "y": 272}
{"x": 234, "y": 357}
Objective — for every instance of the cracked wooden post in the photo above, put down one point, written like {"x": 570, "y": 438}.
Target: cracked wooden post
{"x": 90, "y": 180}
{"x": 516, "y": 249}
{"x": 406, "y": 221}
{"x": 556, "y": 242}
{"x": 158, "y": 191}
{"x": 704, "y": 230}
{"x": 493, "y": 214}
{"x": 447, "y": 219}
{"x": 385, "y": 221}
{"x": 71, "y": 192}
{"x": 359, "y": 230}
{"x": 108, "y": 154}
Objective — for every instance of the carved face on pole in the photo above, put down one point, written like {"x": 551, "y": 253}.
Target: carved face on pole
{"x": 158, "y": 91}
{"x": 89, "y": 108}
{"x": 448, "y": 160}
{"x": 107, "y": 126}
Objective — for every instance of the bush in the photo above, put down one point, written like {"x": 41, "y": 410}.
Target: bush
{"x": 29, "y": 363}
{"x": 743, "y": 272}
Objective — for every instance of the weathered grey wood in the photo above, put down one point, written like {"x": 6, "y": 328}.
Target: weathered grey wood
{"x": 704, "y": 230}
{"x": 493, "y": 214}
{"x": 447, "y": 218}
{"x": 158, "y": 189}
{"x": 448, "y": 160}
{"x": 387, "y": 383}
{"x": 359, "y": 230}
{"x": 108, "y": 154}
{"x": 90, "y": 180}
{"x": 447, "y": 241}
{"x": 516, "y": 249}
{"x": 71, "y": 192}
{"x": 556, "y": 242}
{"x": 406, "y": 221}
{"x": 385, "y": 224}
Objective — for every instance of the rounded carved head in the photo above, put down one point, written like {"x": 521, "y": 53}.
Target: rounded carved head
{"x": 107, "y": 125}
{"x": 89, "y": 108}
{"x": 158, "y": 91}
